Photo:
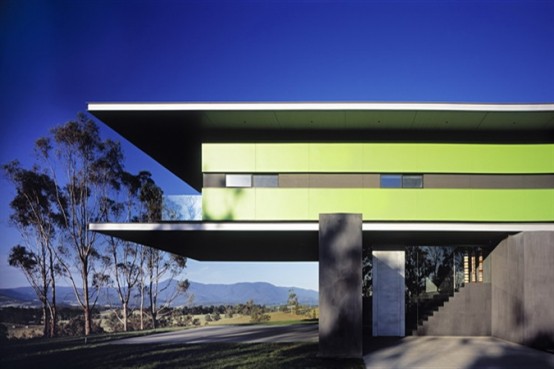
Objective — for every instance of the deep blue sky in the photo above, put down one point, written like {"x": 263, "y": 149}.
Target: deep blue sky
{"x": 57, "y": 55}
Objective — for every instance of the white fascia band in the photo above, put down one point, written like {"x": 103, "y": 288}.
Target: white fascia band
{"x": 319, "y": 106}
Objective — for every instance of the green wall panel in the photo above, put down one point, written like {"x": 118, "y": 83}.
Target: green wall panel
{"x": 336, "y": 157}
{"x": 378, "y": 158}
{"x": 273, "y": 158}
{"x": 228, "y": 158}
{"x": 379, "y": 204}
{"x": 290, "y": 204}
{"x": 340, "y": 201}
{"x": 228, "y": 204}
{"x": 391, "y": 158}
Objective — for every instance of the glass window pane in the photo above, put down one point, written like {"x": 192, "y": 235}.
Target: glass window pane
{"x": 412, "y": 181}
{"x": 238, "y": 180}
{"x": 391, "y": 181}
{"x": 266, "y": 180}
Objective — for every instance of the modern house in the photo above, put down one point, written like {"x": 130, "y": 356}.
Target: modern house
{"x": 324, "y": 181}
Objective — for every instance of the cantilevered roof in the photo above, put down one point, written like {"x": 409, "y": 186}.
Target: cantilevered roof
{"x": 298, "y": 241}
{"x": 172, "y": 132}
{"x": 335, "y": 115}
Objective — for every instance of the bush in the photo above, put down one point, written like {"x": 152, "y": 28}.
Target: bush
{"x": 258, "y": 315}
{"x": 76, "y": 327}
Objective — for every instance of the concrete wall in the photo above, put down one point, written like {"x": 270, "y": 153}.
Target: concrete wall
{"x": 467, "y": 313}
{"x": 522, "y": 274}
{"x": 340, "y": 285}
{"x": 388, "y": 292}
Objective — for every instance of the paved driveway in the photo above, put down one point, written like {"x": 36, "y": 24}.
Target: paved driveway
{"x": 453, "y": 352}
{"x": 228, "y": 333}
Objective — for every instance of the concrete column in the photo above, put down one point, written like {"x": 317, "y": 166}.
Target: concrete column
{"x": 389, "y": 291}
{"x": 340, "y": 285}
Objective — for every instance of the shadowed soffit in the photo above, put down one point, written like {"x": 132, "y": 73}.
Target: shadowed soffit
{"x": 298, "y": 241}
{"x": 172, "y": 133}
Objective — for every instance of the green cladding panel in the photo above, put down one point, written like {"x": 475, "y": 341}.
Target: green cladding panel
{"x": 380, "y": 204}
{"x": 377, "y": 158}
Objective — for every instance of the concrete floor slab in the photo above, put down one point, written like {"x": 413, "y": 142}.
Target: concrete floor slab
{"x": 452, "y": 352}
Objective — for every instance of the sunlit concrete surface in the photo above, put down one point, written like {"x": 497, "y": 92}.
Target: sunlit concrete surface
{"x": 248, "y": 333}
{"x": 452, "y": 352}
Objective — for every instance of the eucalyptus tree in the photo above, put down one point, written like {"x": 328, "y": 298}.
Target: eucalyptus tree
{"x": 37, "y": 214}
{"x": 292, "y": 302}
{"x": 158, "y": 266}
{"x": 85, "y": 169}
{"x": 125, "y": 257}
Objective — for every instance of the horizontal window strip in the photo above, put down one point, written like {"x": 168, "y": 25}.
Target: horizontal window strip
{"x": 373, "y": 180}
{"x": 488, "y": 181}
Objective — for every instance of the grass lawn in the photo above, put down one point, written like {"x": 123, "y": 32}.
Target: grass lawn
{"x": 99, "y": 353}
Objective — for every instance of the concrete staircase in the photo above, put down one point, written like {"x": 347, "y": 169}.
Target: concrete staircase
{"x": 426, "y": 308}
{"x": 467, "y": 313}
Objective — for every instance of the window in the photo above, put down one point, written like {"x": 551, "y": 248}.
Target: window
{"x": 238, "y": 180}
{"x": 266, "y": 180}
{"x": 412, "y": 181}
{"x": 391, "y": 181}
{"x": 401, "y": 181}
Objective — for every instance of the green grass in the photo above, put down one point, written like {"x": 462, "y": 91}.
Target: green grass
{"x": 99, "y": 353}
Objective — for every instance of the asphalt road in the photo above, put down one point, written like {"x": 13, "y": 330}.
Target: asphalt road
{"x": 243, "y": 333}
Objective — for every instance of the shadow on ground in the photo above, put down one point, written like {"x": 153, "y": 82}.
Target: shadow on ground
{"x": 452, "y": 352}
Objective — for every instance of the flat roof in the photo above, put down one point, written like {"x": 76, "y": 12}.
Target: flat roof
{"x": 172, "y": 133}
{"x": 298, "y": 241}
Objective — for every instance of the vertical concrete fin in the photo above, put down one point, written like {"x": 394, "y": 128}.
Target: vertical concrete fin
{"x": 389, "y": 291}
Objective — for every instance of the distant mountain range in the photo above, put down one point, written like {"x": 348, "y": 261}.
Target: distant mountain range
{"x": 197, "y": 294}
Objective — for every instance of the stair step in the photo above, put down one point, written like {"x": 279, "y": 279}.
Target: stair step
{"x": 434, "y": 305}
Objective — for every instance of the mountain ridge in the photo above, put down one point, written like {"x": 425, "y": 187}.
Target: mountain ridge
{"x": 262, "y": 293}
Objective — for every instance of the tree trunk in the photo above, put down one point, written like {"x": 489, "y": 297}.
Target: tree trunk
{"x": 86, "y": 308}
{"x": 46, "y": 327}
{"x": 53, "y": 321}
{"x": 154, "y": 318}
{"x": 153, "y": 307}
{"x": 142, "y": 304}
{"x": 125, "y": 317}
{"x": 141, "y": 311}
{"x": 53, "y": 309}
